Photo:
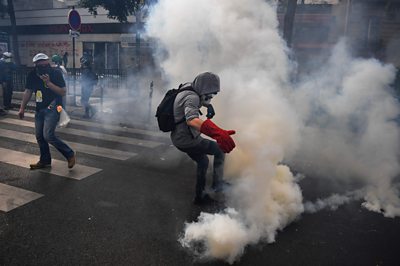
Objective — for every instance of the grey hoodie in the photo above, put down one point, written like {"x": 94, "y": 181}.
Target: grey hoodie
{"x": 206, "y": 83}
{"x": 187, "y": 106}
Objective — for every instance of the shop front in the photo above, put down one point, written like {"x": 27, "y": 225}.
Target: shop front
{"x": 104, "y": 42}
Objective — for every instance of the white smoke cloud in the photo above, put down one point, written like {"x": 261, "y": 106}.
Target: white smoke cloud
{"x": 349, "y": 129}
{"x": 333, "y": 202}
{"x": 211, "y": 236}
{"x": 336, "y": 121}
{"x": 241, "y": 43}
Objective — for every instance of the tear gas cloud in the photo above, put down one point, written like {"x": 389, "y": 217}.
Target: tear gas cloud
{"x": 276, "y": 120}
{"x": 241, "y": 44}
{"x": 332, "y": 202}
{"x": 348, "y": 129}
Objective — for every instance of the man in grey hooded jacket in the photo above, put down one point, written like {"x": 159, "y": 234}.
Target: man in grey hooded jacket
{"x": 187, "y": 136}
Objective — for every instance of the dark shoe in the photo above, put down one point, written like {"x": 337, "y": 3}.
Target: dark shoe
{"x": 220, "y": 186}
{"x": 71, "y": 161}
{"x": 39, "y": 165}
{"x": 204, "y": 200}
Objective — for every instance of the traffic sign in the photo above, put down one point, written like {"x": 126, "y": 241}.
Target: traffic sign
{"x": 74, "y": 33}
{"x": 74, "y": 19}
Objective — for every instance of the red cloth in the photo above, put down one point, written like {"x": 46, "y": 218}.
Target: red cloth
{"x": 223, "y": 138}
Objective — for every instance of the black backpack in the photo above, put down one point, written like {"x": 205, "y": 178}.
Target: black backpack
{"x": 165, "y": 110}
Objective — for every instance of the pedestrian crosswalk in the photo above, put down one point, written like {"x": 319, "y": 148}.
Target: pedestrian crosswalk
{"x": 59, "y": 168}
{"x": 80, "y": 147}
{"x": 13, "y": 197}
{"x": 94, "y": 135}
{"x": 158, "y": 134}
{"x": 15, "y": 130}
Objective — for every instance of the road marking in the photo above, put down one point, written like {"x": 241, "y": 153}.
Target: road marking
{"x": 123, "y": 129}
{"x": 94, "y": 150}
{"x": 108, "y": 126}
{"x": 59, "y": 168}
{"x": 90, "y": 134}
{"x": 13, "y": 197}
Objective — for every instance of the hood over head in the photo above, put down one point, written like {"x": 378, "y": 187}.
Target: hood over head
{"x": 206, "y": 83}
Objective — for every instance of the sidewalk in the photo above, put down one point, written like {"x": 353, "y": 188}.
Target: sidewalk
{"x": 122, "y": 112}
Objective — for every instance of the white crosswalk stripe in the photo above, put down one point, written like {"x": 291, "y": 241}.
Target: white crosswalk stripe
{"x": 109, "y": 127}
{"x": 91, "y": 134}
{"x": 94, "y": 150}
{"x": 13, "y": 197}
{"x": 59, "y": 168}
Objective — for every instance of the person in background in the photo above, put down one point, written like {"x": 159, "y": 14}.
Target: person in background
{"x": 49, "y": 86}
{"x": 187, "y": 134}
{"x": 57, "y": 60}
{"x": 2, "y": 111}
{"x": 65, "y": 59}
{"x": 88, "y": 81}
{"x": 7, "y": 68}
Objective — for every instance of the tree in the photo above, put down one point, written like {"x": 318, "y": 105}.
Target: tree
{"x": 9, "y": 9}
{"x": 119, "y": 10}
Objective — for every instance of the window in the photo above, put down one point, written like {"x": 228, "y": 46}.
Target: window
{"x": 105, "y": 55}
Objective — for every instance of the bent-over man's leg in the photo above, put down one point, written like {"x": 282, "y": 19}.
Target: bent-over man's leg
{"x": 218, "y": 165}
{"x": 202, "y": 164}
{"x": 199, "y": 154}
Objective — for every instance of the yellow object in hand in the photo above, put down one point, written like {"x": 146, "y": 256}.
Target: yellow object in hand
{"x": 59, "y": 108}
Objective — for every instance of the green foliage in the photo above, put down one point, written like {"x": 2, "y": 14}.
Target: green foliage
{"x": 117, "y": 9}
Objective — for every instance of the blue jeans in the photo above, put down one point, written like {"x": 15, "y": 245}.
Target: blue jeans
{"x": 199, "y": 154}
{"x": 45, "y": 125}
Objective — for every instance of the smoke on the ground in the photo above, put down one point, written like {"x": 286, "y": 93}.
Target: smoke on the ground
{"x": 332, "y": 202}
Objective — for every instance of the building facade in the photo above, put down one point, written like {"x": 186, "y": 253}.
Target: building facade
{"x": 372, "y": 28}
{"x": 42, "y": 26}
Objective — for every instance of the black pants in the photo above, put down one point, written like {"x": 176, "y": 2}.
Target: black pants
{"x": 7, "y": 93}
{"x": 86, "y": 93}
{"x": 199, "y": 154}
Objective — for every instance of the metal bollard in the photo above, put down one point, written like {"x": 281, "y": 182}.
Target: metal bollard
{"x": 150, "y": 99}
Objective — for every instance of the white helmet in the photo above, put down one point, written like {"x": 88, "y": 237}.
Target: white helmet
{"x": 40, "y": 56}
{"x": 7, "y": 54}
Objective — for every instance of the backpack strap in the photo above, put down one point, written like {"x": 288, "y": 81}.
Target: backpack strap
{"x": 180, "y": 89}
{"x": 186, "y": 87}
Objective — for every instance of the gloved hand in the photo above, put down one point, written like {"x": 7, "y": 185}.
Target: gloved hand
{"x": 223, "y": 138}
{"x": 210, "y": 111}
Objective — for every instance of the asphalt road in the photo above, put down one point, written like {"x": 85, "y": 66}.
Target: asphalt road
{"x": 133, "y": 211}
